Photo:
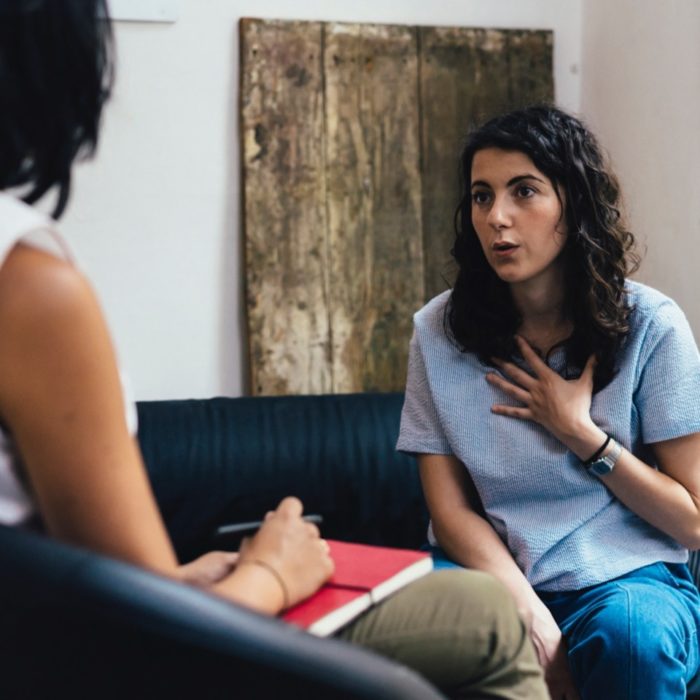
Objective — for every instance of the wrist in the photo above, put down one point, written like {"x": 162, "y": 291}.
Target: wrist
{"x": 274, "y": 572}
{"x": 585, "y": 440}
{"x": 528, "y": 604}
{"x": 255, "y": 587}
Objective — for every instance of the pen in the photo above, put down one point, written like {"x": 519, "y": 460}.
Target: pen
{"x": 249, "y": 528}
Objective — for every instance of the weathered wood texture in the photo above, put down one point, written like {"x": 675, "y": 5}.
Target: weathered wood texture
{"x": 350, "y": 137}
{"x": 286, "y": 257}
{"x": 373, "y": 190}
{"x": 466, "y": 76}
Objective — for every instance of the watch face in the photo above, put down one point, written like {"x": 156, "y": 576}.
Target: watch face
{"x": 605, "y": 464}
{"x": 601, "y": 467}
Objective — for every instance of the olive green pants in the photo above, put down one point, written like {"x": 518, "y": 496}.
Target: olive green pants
{"x": 459, "y": 629}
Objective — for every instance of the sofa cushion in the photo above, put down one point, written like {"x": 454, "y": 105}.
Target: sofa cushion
{"x": 231, "y": 459}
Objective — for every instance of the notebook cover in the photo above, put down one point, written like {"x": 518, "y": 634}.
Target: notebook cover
{"x": 364, "y": 574}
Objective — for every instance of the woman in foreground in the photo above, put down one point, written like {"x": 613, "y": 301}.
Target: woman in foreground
{"x": 554, "y": 407}
{"x": 69, "y": 463}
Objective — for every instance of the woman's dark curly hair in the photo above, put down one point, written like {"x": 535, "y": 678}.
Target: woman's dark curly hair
{"x": 481, "y": 316}
{"x": 56, "y": 72}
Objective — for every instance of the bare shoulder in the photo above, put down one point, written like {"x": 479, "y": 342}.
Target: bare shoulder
{"x": 62, "y": 401}
{"x": 36, "y": 284}
{"x": 50, "y": 322}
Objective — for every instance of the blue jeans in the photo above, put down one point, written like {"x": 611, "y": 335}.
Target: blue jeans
{"x": 632, "y": 638}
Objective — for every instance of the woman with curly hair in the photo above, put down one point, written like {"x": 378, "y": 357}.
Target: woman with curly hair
{"x": 553, "y": 405}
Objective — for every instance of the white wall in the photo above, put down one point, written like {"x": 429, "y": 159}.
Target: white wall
{"x": 641, "y": 93}
{"x": 155, "y": 220}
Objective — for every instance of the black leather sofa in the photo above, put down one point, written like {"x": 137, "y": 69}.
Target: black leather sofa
{"x": 75, "y": 624}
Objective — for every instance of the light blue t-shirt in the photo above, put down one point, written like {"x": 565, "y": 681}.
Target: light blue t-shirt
{"x": 565, "y": 529}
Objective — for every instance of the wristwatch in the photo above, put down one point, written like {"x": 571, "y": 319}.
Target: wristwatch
{"x": 604, "y": 465}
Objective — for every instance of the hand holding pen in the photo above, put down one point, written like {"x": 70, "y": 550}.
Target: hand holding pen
{"x": 290, "y": 549}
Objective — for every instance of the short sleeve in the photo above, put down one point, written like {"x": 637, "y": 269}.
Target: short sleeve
{"x": 131, "y": 415}
{"x": 420, "y": 432}
{"x": 667, "y": 395}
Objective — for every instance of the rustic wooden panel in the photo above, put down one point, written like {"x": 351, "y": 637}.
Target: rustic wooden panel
{"x": 350, "y": 140}
{"x": 466, "y": 76}
{"x": 530, "y": 67}
{"x": 373, "y": 190}
{"x": 284, "y": 207}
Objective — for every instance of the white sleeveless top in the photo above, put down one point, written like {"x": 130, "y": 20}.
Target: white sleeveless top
{"x": 19, "y": 222}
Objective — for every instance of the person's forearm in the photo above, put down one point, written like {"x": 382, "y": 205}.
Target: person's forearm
{"x": 651, "y": 494}
{"x": 471, "y": 541}
{"x": 657, "y": 498}
{"x": 253, "y": 587}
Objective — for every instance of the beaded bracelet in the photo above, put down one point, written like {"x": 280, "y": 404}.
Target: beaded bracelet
{"x": 276, "y": 574}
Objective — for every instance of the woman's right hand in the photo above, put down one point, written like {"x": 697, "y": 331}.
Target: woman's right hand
{"x": 551, "y": 651}
{"x": 293, "y": 548}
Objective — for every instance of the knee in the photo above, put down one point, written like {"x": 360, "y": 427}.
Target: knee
{"x": 472, "y": 590}
{"x": 490, "y": 638}
{"x": 478, "y": 601}
{"x": 655, "y": 635}
{"x": 630, "y": 645}
{"x": 610, "y": 626}
{"x": 626, "y": 630}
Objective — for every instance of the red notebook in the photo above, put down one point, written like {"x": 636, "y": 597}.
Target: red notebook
{"x": 364, "y": 575}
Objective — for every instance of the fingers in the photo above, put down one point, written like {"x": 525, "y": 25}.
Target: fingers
{"x": 330, "y": 564}
{"x": 312, "y": 529}
{"x": 208, "y": 569}
{"x": 589, "y": 367}
{"x": 228, "y": 558}
{"x": 290, "y": 506}
{"x": 290, "y": 509}
{"x": 508, "y": 387}
{"x": 512, "y": 411}
{"x": 512, "y": 390}
{"x": 514, "y": 372}
{"x": 531, "y": 357}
